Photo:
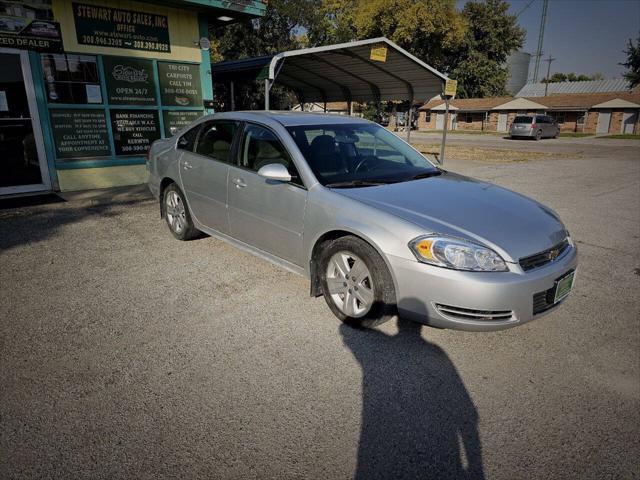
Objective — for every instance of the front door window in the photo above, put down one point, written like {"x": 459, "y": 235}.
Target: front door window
{"x": 19, "y": 160}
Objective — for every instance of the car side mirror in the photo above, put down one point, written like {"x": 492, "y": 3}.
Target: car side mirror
{"x": 275, "y": 171}
{"x": 183, "y": 142}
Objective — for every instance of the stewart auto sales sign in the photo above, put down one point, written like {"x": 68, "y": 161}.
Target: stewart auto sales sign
{"x": 29, "y": 26}
{"x": 118, "y": 28}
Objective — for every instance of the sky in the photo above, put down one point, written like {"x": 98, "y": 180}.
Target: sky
{"x": 585, "y": 36}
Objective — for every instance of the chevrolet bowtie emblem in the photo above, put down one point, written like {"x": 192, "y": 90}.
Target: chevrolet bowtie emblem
{"x": 553, "y": 254}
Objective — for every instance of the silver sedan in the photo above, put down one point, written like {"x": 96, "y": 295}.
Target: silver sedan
{"x": 377, "y": 228}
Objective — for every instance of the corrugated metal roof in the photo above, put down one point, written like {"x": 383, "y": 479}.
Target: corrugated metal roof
{"x": 591, "y": 86}
{"x": 343, "y": 72}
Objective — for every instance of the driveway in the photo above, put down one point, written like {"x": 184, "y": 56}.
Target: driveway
{"x": 127, "y": 354}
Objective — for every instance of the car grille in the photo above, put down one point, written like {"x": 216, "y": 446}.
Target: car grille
{"x": 543, "y": 301}
{"x": 469, "y": 314}
{"x": 543, "y": 258}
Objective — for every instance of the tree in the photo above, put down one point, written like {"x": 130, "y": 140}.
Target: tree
{"x": 479, "y": 63}
{"x": 471, "y": 45}
{"x": 571, "y": 77}
{"x": 278, "y": 30}
{"x": 426, "y": 28}
{"x": 633, "y": 62}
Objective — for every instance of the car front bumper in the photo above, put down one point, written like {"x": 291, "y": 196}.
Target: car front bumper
{"x": 423, "y": 290}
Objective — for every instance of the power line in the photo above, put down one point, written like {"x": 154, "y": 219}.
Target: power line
{"x": 546, "y": 85}
{"x": 543, "y": 21}
{"x": 527, "y": 6}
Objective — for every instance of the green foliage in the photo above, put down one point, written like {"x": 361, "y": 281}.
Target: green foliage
{"x": 479, "y": 63}
{"x": 277, "y": 31}
{"x": 633, "y": 62}
{"x": 470, "y": 45}
{"x": 571, "y": 77}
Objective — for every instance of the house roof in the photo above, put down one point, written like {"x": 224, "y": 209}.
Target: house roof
{"x": 520, "y": 104}
{"x": 467, "y": 104}
{"x": 617, "y": 103}
{"x": 590, "y": 86}
{"x": 560, "y": 102}
{"x": 584, "y": 101}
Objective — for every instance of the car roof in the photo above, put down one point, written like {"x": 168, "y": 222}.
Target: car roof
{"x": 289, "y": 118}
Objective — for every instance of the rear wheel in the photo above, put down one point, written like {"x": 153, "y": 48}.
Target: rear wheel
{"x": 177, "y": 215}
{"x": 538, "y": 135}
{"x": 356, "y": 283}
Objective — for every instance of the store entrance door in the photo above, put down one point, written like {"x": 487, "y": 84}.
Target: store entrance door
{"x": 23, "y": 166}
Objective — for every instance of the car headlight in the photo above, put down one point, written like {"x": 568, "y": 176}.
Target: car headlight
{"x": 456, "y": 254}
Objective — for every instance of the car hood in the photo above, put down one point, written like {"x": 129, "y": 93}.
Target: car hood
{"x": 510, "y": 223}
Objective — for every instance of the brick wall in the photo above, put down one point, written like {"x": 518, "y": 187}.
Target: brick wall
{"x": 592, "y": 122}
{"x": 570, "y": 121}
{"x": 492, "y": 125}
{"x": 423, "y": 124}
{"x": 475, "y": 124}
{"x": 615, "y": 126}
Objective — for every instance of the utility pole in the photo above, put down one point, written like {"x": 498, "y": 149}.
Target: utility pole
{"x": 546, "y": 85}
{"x": 543, "y": 21}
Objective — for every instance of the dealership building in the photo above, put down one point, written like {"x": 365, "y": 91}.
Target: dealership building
{"x": 86, "y": 86}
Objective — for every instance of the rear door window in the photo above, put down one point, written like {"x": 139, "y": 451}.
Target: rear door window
{"x": 188, "y": 140}
{"x": 216, "y": 139}
{"x": 522, "y": 119}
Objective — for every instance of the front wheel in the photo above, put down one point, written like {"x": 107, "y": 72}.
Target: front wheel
{"x": 538, "y": 135}
{"x": 177, "y": 215}
{"x": 356, "y": 283}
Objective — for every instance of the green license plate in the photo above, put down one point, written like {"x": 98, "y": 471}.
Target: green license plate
{"x": 563, "y": 286}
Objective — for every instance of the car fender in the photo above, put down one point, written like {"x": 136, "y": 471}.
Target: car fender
{"x": 328, "y": 212}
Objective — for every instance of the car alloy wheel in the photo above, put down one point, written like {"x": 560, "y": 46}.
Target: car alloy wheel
{"x": 350, "y": 284}
{"x": 175, "y": 211}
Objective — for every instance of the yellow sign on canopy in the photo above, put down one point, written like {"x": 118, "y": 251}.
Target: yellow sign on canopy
{"x": 378, "y": 54}
{"x": 450, "y": 88}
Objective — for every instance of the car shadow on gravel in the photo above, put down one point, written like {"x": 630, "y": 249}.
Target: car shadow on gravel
{"x": 418, "y": 420}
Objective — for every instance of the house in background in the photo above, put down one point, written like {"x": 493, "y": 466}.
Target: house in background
{"x": 599, "y": 113}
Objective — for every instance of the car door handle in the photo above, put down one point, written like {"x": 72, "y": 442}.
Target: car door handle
{"x": 187, "y": 165}
{"x": 239, "y": 183}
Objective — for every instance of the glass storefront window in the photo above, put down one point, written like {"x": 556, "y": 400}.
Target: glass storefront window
{"x": 71, "y": 79}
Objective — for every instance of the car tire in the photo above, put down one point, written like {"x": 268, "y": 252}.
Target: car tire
{"x": 538, "y": 135}
{"x": 177, "y": 215}
{"x": 365, "y": 299}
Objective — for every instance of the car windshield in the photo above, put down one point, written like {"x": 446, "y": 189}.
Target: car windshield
{"x": 359, "y": 155}
{"x": 523, "y": 120}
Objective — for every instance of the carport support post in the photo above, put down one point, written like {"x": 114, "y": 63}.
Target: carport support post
{"x": 409, "y": 120}
{"x": 267, "y": 87}
{"x": 444, "y": 129}
{"x": 233, "y": 97}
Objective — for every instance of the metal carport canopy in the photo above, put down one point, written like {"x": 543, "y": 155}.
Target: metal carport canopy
{"x": 346, "y": 71}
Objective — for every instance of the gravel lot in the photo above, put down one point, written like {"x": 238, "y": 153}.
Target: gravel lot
{"x": 127, "y": 354}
